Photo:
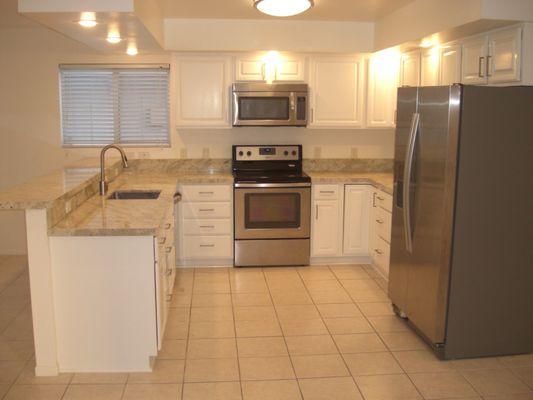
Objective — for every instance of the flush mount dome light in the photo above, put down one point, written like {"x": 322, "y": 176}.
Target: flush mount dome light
{"x": 283, "y": 8}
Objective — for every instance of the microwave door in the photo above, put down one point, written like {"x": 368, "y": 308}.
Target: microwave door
{"x": 262, "y": 108}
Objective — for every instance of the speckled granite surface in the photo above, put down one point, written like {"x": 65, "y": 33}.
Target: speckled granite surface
{"x": 381, "y": 180}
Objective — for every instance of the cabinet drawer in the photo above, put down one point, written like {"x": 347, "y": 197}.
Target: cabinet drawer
{"x": 382, "y": 223}
{"x": 381, "y": 255}
{"x": 383, "y": 200}
{"x": 206, "y": 210}
{"x": 207, "y": 227}
{"x": 206, "y": 193}
{"x": 201, "y": 247}
{"x": 324, "y": 192}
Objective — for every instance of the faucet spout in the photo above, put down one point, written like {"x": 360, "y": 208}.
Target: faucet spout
{"x": 103, "y": 181}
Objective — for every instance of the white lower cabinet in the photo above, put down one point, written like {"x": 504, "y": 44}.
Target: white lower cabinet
{"x": 326, "y": 232}
{"x": 205, "y": 225}
{"x": 356, "y": 219}
{"x": 380, "y": 230}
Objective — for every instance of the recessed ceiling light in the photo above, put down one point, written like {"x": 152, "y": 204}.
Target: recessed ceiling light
{"x": 132, "y": 50}
{"x": 113, "y": 38}
{"x": 283, "y": 8}
{"x": 87, "y": 20}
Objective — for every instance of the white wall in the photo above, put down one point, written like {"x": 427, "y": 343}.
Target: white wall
{"x": 30, "y": 138}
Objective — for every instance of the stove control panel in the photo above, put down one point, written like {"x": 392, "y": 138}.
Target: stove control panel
{"x": 267, "y": 153}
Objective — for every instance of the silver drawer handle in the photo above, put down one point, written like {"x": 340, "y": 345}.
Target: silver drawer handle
{"x": 168, "y": 249}
{"x": 168, "y": 225}
{"x": 206, "y": 192}
{"x": 162, "y": 240}
{"x": 207, "y": 226}
{"x": 380, "y": 198}
{"x": 379, "y": 221}
{"x": 169, "y": 297}
{"x": 207, "y": 245}
{"x": 327, "y": 191}
{"x": 206, "y": 209}
{"x": 378, "y": 251}
{"x": 169, "y": 272}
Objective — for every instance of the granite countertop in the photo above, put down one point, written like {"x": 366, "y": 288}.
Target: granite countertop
{"x": 99, "y": 216}
{"x": 381, "y": 180}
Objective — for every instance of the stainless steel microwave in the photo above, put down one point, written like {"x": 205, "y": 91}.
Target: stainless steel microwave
{"x": 263, "y": 104}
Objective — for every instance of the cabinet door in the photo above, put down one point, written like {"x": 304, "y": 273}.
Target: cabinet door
{"x": 325, "y": 236}
{"x": 202, "y": 91}
{"x": 410, "y": 69}
{"x": 429, "y": 67}
{"x": 336, "y": 92}
{"x": 473, "y": 61}
{"x": 383, "y": 75}
{"x": 249, "y": 69}
{"x": 503, "y": 63}
{"x": 450, "y": 64}
{"x": 356, "y": 219}
{"x": 291, "y": 69}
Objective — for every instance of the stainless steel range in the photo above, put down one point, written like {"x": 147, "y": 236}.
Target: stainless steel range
{"x": 272, "y": 206}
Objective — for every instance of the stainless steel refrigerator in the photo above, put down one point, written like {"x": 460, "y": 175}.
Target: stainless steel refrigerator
{"x": 461, "y": 267}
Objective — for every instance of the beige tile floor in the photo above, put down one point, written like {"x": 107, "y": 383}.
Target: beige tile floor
{"x": 313, "y": 333}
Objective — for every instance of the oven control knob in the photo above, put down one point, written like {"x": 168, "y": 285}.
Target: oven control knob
{"x": 248, "y": 153}
{"x": 241, "y": 153}
{"x": 286, "y": 152}
{"x": 294, "y": 152}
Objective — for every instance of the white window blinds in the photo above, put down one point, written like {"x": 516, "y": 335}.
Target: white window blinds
{"x": 114, "y": 104}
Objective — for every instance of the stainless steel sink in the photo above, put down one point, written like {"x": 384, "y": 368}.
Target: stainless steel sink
{"x": 134, "y": 195}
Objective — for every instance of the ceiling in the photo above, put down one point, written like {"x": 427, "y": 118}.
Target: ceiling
{"x": 324, "y": 10}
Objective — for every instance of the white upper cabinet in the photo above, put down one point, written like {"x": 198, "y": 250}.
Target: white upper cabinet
{"x": 356, "y": 220}
{"x": 257, "y": 67}
{"x": 410, "y": 69}
{"x": 429, "y": 67}
{"x": 336, "y": 88}
{"x": 383, "y": 76}
{"x": 474, "y": 54}
{"x": 450, "y": 64}
{"x": 504, "y": 56}
{"x": 202, "y": 91}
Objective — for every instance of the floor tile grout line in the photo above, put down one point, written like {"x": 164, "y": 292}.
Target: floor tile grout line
{"x": 187, "y": 336}
{"x": 283, "y": 335}
{"x": 236, "y": 344}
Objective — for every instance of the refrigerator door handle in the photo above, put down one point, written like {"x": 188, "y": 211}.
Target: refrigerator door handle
{"x": 407, "y": 170}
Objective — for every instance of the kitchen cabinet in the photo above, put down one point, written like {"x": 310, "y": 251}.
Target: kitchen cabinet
{"x": 356, "y": 220}
{"x": 202, "y": 91}
{"x": 205, "y": 225}
{"x": 429, "y": 67}
{"x": 277, "y": 68}
{"x": 336, "y": 92}
{"x": 380, "y": 230}
{"x": 410, "y": 69}
{"x": 493, "y": 58}
{"x": 326, "y": 221}
{"x": 450, "y": 64}
{"x": 383, "y": 76}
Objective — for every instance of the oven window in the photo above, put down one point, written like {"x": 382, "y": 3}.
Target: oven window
{"x": 272, "y": 210}
{"x": 259, "y": 108}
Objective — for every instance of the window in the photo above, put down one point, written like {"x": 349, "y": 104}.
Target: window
{"x": 125, "y": 104}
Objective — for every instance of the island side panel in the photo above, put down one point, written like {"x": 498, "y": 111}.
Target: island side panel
{"x": 42, "y": 295}
{"x": 104, "y": 296}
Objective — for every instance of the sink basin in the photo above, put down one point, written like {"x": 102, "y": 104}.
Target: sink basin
{"x": 134, "y": 195}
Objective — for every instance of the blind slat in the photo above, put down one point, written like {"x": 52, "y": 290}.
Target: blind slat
{"x": 114, "y": 106}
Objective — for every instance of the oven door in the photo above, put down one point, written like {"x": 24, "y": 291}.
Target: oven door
{"x": 269, "y": 109}
{"x": 272, "y": 212}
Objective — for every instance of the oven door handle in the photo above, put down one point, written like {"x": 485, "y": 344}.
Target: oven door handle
{"x": 273, "y": 185}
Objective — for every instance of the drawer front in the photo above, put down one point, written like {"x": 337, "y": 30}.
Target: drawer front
{"x": 207, "y": 227}
{"x": 202, "y": 247}
{"x": 206, "y": 210}
{"x": 323, "y": 192}
{"x": 206, "y": 193}
{"x": 381, "y": 255}
{"x": 383, "y": 200}
{"x": 382, "y": 223}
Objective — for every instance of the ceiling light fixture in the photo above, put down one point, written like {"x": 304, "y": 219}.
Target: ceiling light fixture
{"x": 132, "y": 50}
{"x": 87, "y": 19}
{"x": 113, "y": 37}
{"x": 283, "y": 8}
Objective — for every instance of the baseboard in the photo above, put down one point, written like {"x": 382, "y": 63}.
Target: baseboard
{"x": 224, "y": 262}
{"x": 366, "y": 260}
{"x": 46, "y": 370}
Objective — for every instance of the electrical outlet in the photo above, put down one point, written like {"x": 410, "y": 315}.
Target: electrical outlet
{"x": 68, "y": 206}
{"x": 183, "y": 152}
{"x": 205, "y": 152}
{"x": 317, "y": 151}
{"x": 353, "y": 152}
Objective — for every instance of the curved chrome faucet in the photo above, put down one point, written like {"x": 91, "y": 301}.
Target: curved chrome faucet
{"x": 103, "y": 182}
